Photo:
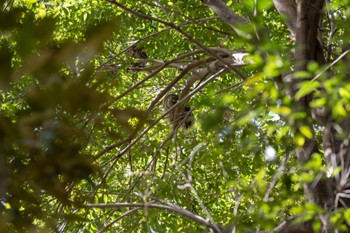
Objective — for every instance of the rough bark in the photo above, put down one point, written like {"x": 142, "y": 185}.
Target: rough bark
{"x": 307, "y": 43}
{"x": 308, "y": 48}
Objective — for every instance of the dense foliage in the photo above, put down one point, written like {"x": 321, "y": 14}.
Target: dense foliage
{"x": 86, "y": 144}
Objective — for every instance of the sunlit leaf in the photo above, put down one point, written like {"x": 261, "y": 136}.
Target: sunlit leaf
{"x": 339, "y": 110}
{"x": 312, "y": 66}
{"x": 347, "y": 215}
{"x": 282, "y": 110}
{"x": 316, "y": 225}
{"x": 315, "y": 163}
{"x": 306, "y": 131}
{"x": 299, "y": 140}
{"x": 318, "y": 103}
{"x": 345, "y": 93}
{"x": 302, "y": 75}
{"x": 29, "y": 2}
{"x": 41, "y": 11}
{"x": 264, "y": 5}
{"x": 306, "y": 88}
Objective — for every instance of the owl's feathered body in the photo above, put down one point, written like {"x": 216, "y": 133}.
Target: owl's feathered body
{"x": 183, "y": 117}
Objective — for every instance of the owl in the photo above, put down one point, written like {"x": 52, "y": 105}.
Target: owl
{"x": 184, "y": 117}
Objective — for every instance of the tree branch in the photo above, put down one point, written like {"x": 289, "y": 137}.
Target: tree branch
{"x": 228, "y": 16}
{"x": 184, "y": 33}
{"x": 120, "y": 217}
{"x": 288, "y": 226}
{"x": 173, "y": 208}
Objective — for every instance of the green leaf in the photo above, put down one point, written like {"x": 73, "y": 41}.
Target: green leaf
{"x": 302, "y": 75}
{"x": 313, "y": 208}
{"x": 345, "y": 93}
{"x": 306, "y": 88}
{"x": 315, "y": 163}
{"x": 282, "y": 110}
{"x": 264, "y": 4}
{"x": 30, "y": 2}
{"x": 339, "y": 110}
{"x": 41, "y": 11}
{"x": 306, "y": 131}
{"x": 347, "y": 215}
{"x": 320, "y": 102}
{"x": 307, "y": 177}
{"x": 316, "y": 225}
{"x": 299, "y": 140}
{"x": 312, "y": 66}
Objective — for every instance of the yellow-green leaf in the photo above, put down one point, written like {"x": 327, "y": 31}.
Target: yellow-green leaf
{"x": 316, "y": 225}
{"x": 312, "y": 66}
{"x": 347, "y": 215}
{"x": 307, "y": 177}
{"x": 344, "y": 93}
{"x": 339, "y": 110}
{"x": 306, "y": 88}
{"x": 315, "y": 163}
{"x": 41, "y": 11}
{"x": 318, "y": 103}
{"x": 299, "y": 140}
{"x": 29, "y": 2}
{"x": 306, "y": 131}
{"x": 229, "y": 99}
{"x": 302, "y": 74}
{"x": 254, "y": 79}
{"x": 282, "y": 110}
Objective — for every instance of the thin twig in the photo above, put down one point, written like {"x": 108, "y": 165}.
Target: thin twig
{"x": 332, "y": 64}
{"x": 120, "y": 217}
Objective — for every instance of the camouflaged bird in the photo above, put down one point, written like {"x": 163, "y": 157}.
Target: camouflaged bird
{"x": 184, "y": 117}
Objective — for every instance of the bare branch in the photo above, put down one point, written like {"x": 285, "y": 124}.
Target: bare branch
{"x": 331, "y": 65}
{"x": 148, "y": 111}
{"x": 228, "y": 16}
{"x": 173, "y": 208}
{"x": 178, "y": 28}
{"x": 111, "y": 147}
{"x": 288, "y": 226}
{"x": 190, "y": 19}
{"x": 120, "y": 217}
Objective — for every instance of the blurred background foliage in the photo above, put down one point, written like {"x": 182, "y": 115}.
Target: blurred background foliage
{"x": 65, "y": 122}
{"x": 49, "y": 90}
